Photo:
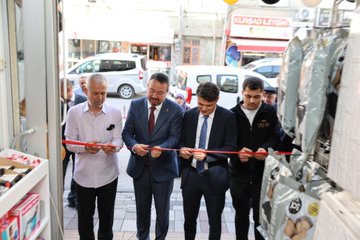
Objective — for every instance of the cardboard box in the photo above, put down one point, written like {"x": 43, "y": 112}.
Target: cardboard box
{"x": 28, "y": 213}
{"x": 10, "y": 230}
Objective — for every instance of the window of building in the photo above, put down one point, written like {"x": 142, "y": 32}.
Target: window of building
{"x": 139, "y": 49}
{"x": 191, "y": 51}
{"x": 87, "y": 48}
{"x": 160, "y": 53}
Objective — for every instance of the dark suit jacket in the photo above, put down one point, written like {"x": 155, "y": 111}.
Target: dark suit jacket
{"x": 166, "y": 134}
{"x": 223, "y": 136}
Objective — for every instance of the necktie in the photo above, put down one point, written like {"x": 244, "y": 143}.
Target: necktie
{"x": 202, "y": 143}
{"x": 151, "y": 119}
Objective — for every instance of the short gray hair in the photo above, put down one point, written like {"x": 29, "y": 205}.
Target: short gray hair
{"x": 97, "y": 78}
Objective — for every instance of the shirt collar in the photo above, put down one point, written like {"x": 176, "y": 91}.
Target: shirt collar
{"x": 210, "y": 115}
{"x": 158, "y": 107}
{"x": 105, "y": 108}
{"x": 72, "y": 98}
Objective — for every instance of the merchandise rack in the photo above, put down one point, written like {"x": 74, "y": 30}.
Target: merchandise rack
{"x": 36, "y": 181}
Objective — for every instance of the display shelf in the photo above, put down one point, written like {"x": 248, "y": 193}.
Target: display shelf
{"x": 36, "y": 181}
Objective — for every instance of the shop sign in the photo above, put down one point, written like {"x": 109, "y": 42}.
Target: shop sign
{"x": 260, "y": 27}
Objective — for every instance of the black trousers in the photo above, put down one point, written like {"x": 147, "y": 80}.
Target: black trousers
{"x": 72, "y": 194}
{"x": 105, "y": 198}
{"x": 245, "y": 196}
{"x": 145, "y": 188}
{"x": 197, "y": 186}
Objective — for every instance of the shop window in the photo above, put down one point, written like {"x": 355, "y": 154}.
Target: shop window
{"x": 103, "y": 47}
{"x": 139, "y": 49}
{"x": 108, "y": 46}
{"x": 160, "y": 53}
{"x": 74, "y": 51}
{"x": 88, "y": 48}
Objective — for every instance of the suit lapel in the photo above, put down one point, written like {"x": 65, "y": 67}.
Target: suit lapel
{"x": 144, "y": 117}
{"x": 214, "y": 130}
{"x": 193, "y": 127}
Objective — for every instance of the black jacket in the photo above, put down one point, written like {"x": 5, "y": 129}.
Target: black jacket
{"x": 262, "y": 134}
{"x": 222, "y": 138}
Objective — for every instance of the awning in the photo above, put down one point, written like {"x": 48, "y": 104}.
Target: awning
{"x": 255, "y": 45}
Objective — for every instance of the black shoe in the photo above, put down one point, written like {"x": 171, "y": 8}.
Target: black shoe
{"x": 72, "y": 205}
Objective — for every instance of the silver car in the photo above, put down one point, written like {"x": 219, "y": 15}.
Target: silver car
{"x": 126, "y": 74}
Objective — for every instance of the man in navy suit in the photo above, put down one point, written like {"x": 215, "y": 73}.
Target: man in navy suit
{"x": 71, "y": 100}
{"x": 206, "y": 174}
{"x": 153, "y": 122}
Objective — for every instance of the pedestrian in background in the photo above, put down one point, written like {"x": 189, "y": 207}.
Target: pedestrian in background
{"x": 96, "y": 170}
{"x": 257, "y": 126}
{"x": 180, "y": 99}
{"x": 211, "y": 127}
{"x": 153, "y": 122}
{"x": 82, "y": 86}
{"x": 71, "y": 100}
{"x": 270, "y": 94}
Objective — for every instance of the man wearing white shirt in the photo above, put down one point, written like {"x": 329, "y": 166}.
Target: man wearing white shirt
{"x": 96, "y": 170}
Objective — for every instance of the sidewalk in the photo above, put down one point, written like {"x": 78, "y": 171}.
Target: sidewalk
{"x": 125, "y": 212}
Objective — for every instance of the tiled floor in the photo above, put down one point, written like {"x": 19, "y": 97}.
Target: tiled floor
{"x": 125, "y": 216}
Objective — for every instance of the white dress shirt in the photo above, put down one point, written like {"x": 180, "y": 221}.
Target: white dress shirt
{"x": 94, "y": 170}
{"x": 156, "y": 111}
{"x": 198, "y": 130}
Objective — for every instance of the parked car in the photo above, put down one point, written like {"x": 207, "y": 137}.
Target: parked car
{"x": 126, "y": 74}
{"x": 186, "y": 78}
{"x": 268, "y": 67}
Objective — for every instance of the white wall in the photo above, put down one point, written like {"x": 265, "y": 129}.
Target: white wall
{"x": 4, "y": 87}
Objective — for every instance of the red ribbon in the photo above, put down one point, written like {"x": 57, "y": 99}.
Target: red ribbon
{"x": 72, "y": 142}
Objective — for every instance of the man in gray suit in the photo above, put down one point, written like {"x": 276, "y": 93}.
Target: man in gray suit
{"x": 153, "y": 122}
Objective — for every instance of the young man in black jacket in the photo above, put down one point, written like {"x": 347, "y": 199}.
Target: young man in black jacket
{"x": 258, "y": 128}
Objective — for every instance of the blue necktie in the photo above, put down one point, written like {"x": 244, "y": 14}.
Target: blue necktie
{"x": 202, "y": 143}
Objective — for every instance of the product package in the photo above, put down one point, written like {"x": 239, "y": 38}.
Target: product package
{"x": 294, "y": 212}
{"x": 288, "y": 85}
{"x": 275, "y": 165}
{"x": 28, "y": 213}
{"x": 10, "y": 230}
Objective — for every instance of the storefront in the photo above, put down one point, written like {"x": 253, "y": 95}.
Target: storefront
{"x": 252, "y": 37}
{"x": 87, "y": 32}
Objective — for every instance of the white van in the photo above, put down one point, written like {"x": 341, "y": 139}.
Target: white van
{"x": 268, "y": 67}
{"x": 126, "y": 74}
{"x": 186, "y": 78}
